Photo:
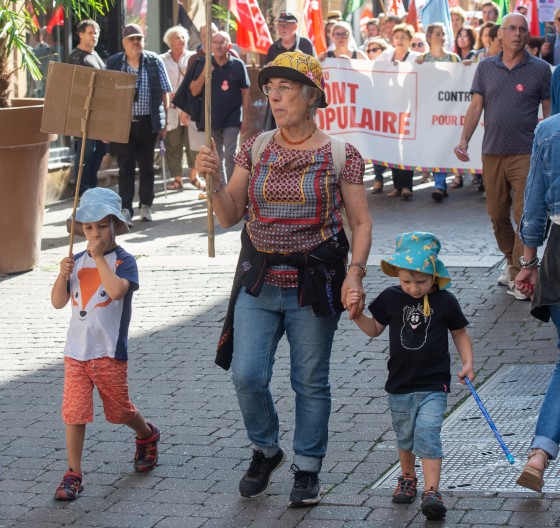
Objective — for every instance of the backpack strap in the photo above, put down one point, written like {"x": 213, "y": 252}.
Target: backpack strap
{"x": 261, "y": 141}
{"x": 338, "y": 148}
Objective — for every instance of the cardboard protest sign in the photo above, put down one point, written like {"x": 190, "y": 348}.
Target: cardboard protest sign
{"x": 110, "y": 106}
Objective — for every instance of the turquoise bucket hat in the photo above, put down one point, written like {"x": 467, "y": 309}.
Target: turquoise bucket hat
{"x": 418, "y": 251}
{"x": 96, "y": 204}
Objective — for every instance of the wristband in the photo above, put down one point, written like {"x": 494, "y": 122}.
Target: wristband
{"x": 363, "y": 267}
{"x": 532, "y": 263}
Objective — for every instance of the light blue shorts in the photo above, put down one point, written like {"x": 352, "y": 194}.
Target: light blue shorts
{"x": 417, "y": 418}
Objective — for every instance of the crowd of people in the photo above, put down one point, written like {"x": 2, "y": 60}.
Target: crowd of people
{"x": 307, "y": 234}
{"x": 386, "y": 38}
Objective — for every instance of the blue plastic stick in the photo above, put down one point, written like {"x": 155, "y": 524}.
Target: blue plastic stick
{"x": 509, "y": 456}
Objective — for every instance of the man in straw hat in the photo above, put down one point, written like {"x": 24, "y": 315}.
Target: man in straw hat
{"x": 419, "y": 313}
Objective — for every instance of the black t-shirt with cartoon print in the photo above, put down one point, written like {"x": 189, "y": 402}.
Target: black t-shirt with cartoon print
{"x": 418, "y": 346}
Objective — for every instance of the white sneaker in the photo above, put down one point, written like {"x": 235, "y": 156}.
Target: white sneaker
{"x": 145, "y": 213}
{"x": 512, "y": 290}
{"x": 504, "y": 279}
{"x": 127, "y": 217}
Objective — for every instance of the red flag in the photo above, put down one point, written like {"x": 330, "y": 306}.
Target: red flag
{"x": 533, "y": 16}
{"x": 32, "y": 14}
{"x": 57, "y": 19}
{"x": 366, "y": 16}
{"x": 412, "y": 16}
{"x": 252, "y": 31}
{"x": 396, "y": 7}
{"x": 313, "y": 15}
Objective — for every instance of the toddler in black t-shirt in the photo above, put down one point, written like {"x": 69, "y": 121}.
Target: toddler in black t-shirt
{"x": 419, "y": 313}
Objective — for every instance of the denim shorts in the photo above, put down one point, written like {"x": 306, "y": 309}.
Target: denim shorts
{"x": 417, "y": 418}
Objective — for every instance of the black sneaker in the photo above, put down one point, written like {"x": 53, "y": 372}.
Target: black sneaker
{"x": 405, "y": 492}
{"x": 307, "y": 490}
{"x": 257, "y": 478}
{"x": 432, "y": 505}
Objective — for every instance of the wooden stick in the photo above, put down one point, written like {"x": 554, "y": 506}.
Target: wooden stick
{"x": 83, "y": 128}
{"x": 382, "y": 3}
{"x": 208, "y": 126}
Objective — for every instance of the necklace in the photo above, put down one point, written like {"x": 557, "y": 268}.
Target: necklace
{"x": 297, "y": 142}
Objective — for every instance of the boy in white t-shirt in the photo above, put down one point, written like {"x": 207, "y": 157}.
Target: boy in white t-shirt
{"x": 99, "y": 282}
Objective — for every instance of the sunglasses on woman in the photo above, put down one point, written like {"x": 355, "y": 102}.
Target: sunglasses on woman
{"x": 374, "y": 50}
{"x": 417, "y": 45}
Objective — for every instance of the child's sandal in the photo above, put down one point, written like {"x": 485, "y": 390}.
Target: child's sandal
{"x": 532, "y": 478}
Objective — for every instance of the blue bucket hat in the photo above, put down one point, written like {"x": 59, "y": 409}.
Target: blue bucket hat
{"x": 417, "y": 251}
{"x": 96, "y": 204}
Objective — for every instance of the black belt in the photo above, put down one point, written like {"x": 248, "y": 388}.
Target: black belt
{"x": 136, "y": 118}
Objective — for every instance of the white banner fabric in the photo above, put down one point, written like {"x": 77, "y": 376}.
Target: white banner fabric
{"x": 402, "y": 115}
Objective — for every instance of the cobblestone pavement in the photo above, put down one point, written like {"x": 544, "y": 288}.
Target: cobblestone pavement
{"x": 177, "y": 317}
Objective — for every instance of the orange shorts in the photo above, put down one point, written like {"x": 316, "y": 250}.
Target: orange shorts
{"x": 110, "y": 377}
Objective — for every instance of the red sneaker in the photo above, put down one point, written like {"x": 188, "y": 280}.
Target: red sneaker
{"x": 146, "y": 456}
{"x": 70, "y": 487}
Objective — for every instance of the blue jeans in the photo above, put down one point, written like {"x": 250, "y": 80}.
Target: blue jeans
{"x": 259, "y": 324}
{"x": 439, "y": 180}
{"x": 547, "y": 432}
{"x": 417, "y": 419}
{"x": 93, "y": 156}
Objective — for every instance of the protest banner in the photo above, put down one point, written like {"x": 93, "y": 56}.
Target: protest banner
{"x": 403, "y": 115}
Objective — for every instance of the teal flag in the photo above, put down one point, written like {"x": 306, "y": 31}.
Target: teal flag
{"x": 351, "y": 6}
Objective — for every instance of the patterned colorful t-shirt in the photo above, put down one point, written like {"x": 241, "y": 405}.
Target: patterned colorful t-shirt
{"x": 295, "y": 200}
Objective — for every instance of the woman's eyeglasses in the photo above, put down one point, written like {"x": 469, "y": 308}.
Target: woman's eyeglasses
{"x": 281, "y": 89}
{"x": 417, "y": 45}
{"x": 341, "y": 34}
{"x": 374, "y": 50}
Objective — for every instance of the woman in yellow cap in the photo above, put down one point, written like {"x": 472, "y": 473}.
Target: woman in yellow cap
{"x": 290, "y": 185}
